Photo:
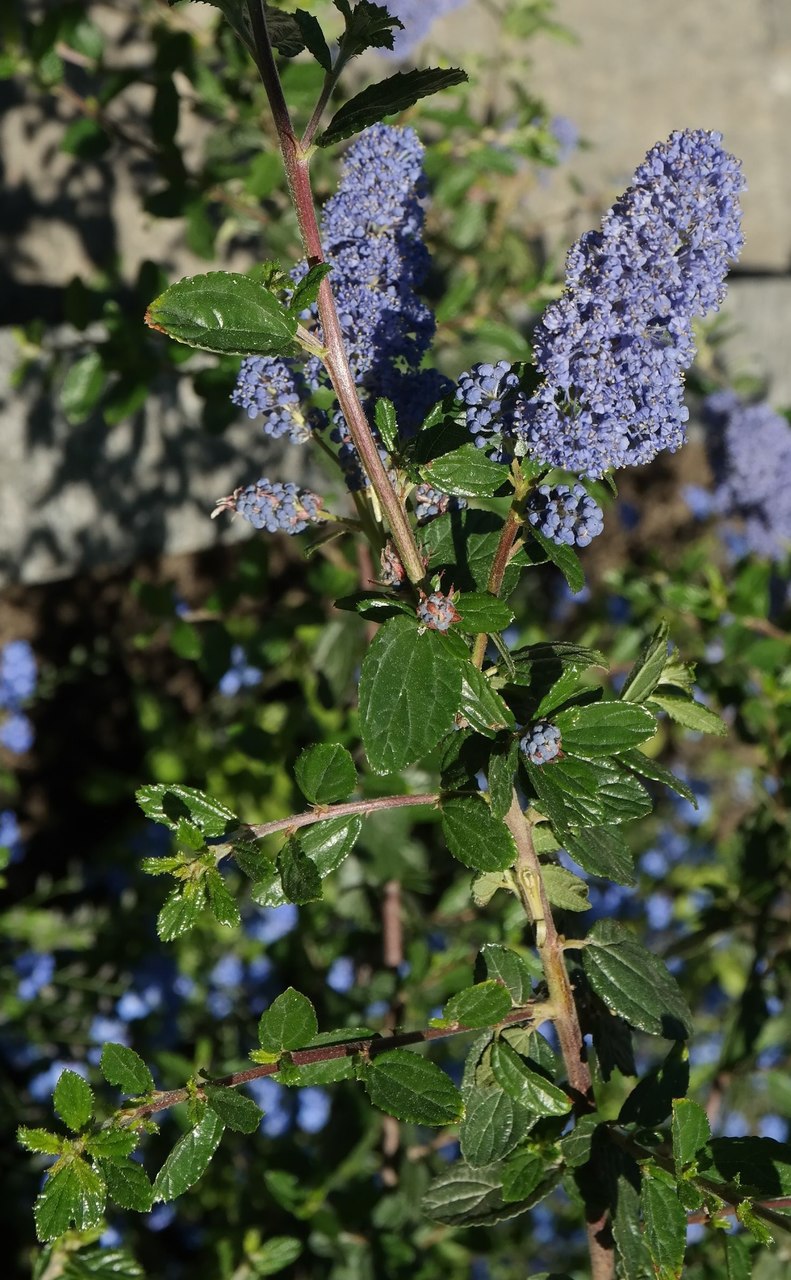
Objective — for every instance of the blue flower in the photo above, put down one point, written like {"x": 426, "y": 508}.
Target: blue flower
{"x": 541, "y": 743}
{"x": 273, "y": 506}
{"x": 340, "y": 975}
{"x": 567, "y": 516}
{"x": 240, "y": 674}
{"x": 274, "y": 1101}
{"x": 749, "y": 448}
{"x": 273, "y": 923}
{"x": 16, "y": 733}
{"x": 35, "y": 970}
{"x": 17, "y": 674}
{"x": 227, "y": 972}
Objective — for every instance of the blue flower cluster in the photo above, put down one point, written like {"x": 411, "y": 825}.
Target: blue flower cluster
{"x": 276, "y": 390}
{"x": 273, "y": 506}
{"x": 437, "y": 611}
{"x": 749, "y": 448}
{"x": 18, "y": 675}
{"x": 430, "y": 503}
{"x": 613, "y": 349}
{"x": 541, "y": 743}
{"x": 493, "y": 405}
{"x": 568, "y": 517}
{"x": 240, "y": 674}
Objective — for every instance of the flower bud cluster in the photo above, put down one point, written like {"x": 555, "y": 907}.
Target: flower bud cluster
{"x": 567, "y": 516}
{"x": 437, "y": 611}
{"x": 273, "y": 506}
{"x": 541, "y": 743}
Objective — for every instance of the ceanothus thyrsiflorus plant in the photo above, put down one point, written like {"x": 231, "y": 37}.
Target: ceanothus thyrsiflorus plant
{"x": 455, "y": 490}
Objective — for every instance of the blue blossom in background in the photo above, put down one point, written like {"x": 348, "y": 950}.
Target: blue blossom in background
{"x": 749, "y": 448}
{"x": 273, "y": 1100}
{"x": 18, "y": 674}
{"x": 566, "y": 135}
{"x": 10, "y": 835}
{"x": 40, "y": 1086}
{"x": 613, "y": 349}
{"x": 240, "y": 675}
{"x": 313, "y": 1109}
{"x": 35, "y": 970}
{"x": 340, "y": 975}
{"x": 417, "y": 16}
{"x": 16, "y": 733}
{"x": 272, "y": 923}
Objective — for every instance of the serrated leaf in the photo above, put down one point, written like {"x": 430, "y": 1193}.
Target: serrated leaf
{"x": 224, "y": 312}
{"x": 738, "y": 1258}
{"x": 563, "y": 889}
{"x": 98, "y": 1263}
{"x": 129, "y": 1186}
{"x": 368, "y": 26}
{"x": 746, "y": 1216}
{"x": 634, "y": 983}
{"x": 688, "y": 713}
{"x": 236, "y": 1110}
{"x": 648, "y": 768}
{"x": 603, "y": 852}
{"x": 221, "y": 901}
{"x": 74, "y": 1196}
{"x": 528, "y": 1088}
{"x": 73, "y": 1100}
{"x": 567, "y": 792}
{"x": 463, "y": 545}
{"x": 123, "y": 1067}
{"x": 564, "y": 558}
{"x": 325, "y": 773}
{"x": 690, "y": 1129}
{"x": 465, "y": 1197}
{"x": 169, "y": 803}
{"x": 289, "y": 1023}
{"x": 485, "y": 886}
{"x": 327, "y": 844}
{"x": 386, "y": 423}
{"x": 307, "y": 290}
{"x": 481, "y": 706}
{"x": 412, "y": 1089}
{"x": 501, "y": 776}
{"x": 388, "y": 97}
{"x": 647, "y": 670}
{"x": 479, "y": 611}
{"x": 190, "y": 1158}
{"x": 665, "y": 1226}
{"x": 603, "y": 728}
{"x": 466, "y": 473}
{"x": 522, "y": 1174}
{"x": 476, "y": 838}
{"x": 299, "y": 875}
{"x": 480, "y": 1006}
{"x": 115, "y": 1145}
{"x": 488, "y": 1130}
{"x": 627, "y": 1226}
{"x": 252, "y": 858}
{"x": 410, "y": 687}
{"x": 40, "y": 1140}
{"x": 576, "y": 1146}
{"x": 511, "y": 969}
{"x": 181, "y": 910}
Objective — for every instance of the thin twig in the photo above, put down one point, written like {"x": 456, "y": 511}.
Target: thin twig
{"x": 321, "y": 813}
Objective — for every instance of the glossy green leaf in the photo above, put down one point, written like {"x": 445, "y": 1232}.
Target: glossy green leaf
{"x": 368, "y": 26}
{"x": 738, "y": 1257}
{"x": 299, "y": 875}
{"x": 236, "y": 1110}
{"x": 388, "y": 97}
{"x": 688, "y": 713}
{"x": 652, "y": 1098}
{"x": 480, "y": 1006}
{"x": 40, "y": 1140}
{"x": 567, "y": 792}
{"x": 190, "y": 1158}
{"x": 123, "y": 1067}
{"x": 129, "y": 1186}
{"x": 410, "y": 687}
{"x": 522, "y": 1175}
{"x": 465, "y": 1197}
{"x": 412, "y": 1088}
{"x": 327, "y": 844}
{"x": 603, "y": 728}
{"x": 462, "y": 546}
{"x": 221, "y": 901}
{"x": 633, "y": 1259}
{"x": 690, "y": 1129}
{"x": 386, "y": 423}
{"x": 169, "y": 803}
{"x": 647, "y": 670}
{"x": 181, "y": 910}
{"x": 501, "y": 777}
{"x": 481, "y": 612}
{"x": 289, "y": 1023}
{"x": 603, "y": 852}
{"x": 224, "y": 312}
{"x": 647, "y": 768}
{"x": 325, "y": 773}
{"x": 307, "y": 290}
{"x": 488, "y": 1131}
{"x": 476, "y": 838}
{"x": 564, "y": 890}
{"x": 74, "y": 1196}
{"x": 466, "y": 473}
{"x": 634, "y": 983}
{"x": 531, "y": 1090}
{"x": 114, "y": 1145}
{"x": 515, "y": 971}
{"x": 481, "y": 706}
{"x": 73, "y": 1100}
{"x": 665, "y": 1225}
{"x": 576, "y": 1146}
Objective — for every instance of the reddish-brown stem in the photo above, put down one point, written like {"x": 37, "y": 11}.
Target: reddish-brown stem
{"x": 497, "y": 573}
{"x": 320, "y": 813}
{"x": 336, "y": 360}
{"x": 370, "y": 1047}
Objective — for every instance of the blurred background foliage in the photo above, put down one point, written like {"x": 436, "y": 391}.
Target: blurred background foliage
{"x": 216, "y": 669}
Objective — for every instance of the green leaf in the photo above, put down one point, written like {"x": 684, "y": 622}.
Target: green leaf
{"x": 368, "y": 26}
{"x": 386, "y": 423}
{"x": 564, "y": 558}
{"x": 633, "y": 983}
{"x": 129, "y": 1186}
{"x": 222, "y": 903}
{"x": 760, "y": 1166}
{"x": 488, "y": 1131}
{"x": 527, "y": 1087}
{"x": 82, "y": 387}
{"x": 567, "y": 792}
{"x": 480, "y": 1006}
{"x": 757, "y": 1229}
{"x": 648, "y": 768}
{"x": 181, "y": 910}
{"x": 307, "y": 290}
{"x": 689, "y": 714}
{"x": 479, "y": 611}
{"x": 299, "y": 875}
{"x": 73, "y": 1100}
{"x": 169, "y": 803}
{"x": 327, "y": 844}
{"x": 476, "y": 838}
{"x": 412, "y": 1088}
{"x": 481, "y": 706}
{"x": 410, "y": 686}
{"x": 289, "y": 1023}
{"x": 602, "y": 851}
{"x": 522, "y": 1174}
{"x": 564, "y": 889}
{"x": 74, "y": 1196}
{"x": 466, "y": 473}
{"x": 277, "y": 1253}
{"x": 41, "y": 1140}
{"x": 388, "y": 97}
{"x": 738, "y": 1257}
{"x": 501, "y": 776}
{"x": 576, "y": 1146}
{"x": 647, "y": 670}
{"x": 115, "y": 1145}
{"x": 511, "y": 969}
{"x": 126, "y": 1069}
{"x": 325, "y": 773}
{"x": 485, "y": 886}
{"x": 465, "y": 1197}
{"x": 635, "y": 1263}
{"x": 691, "y": 1131}
{"x": 190, "y": 1158}
{"x": 236, "y": 1110}
{"x": 603, "y": 728}
{"x": 463, "y": 545}
{"x": 224, "y": 312}
{"x": 665, "y": 1225}
{"x": 652, "y": 1099}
